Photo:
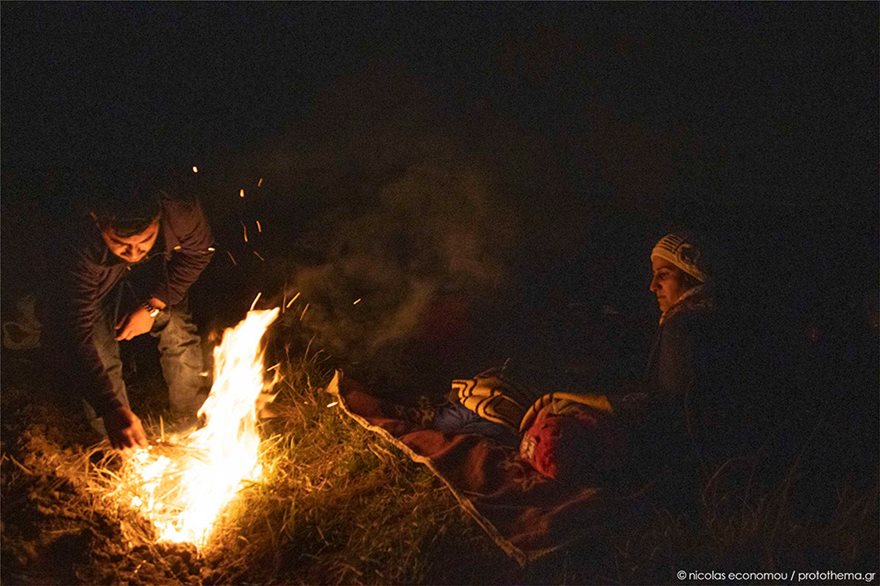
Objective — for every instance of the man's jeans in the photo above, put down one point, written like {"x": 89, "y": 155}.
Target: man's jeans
{"x": 180, "y": 355}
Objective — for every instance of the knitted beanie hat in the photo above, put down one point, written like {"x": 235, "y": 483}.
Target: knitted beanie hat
{"x": 678, "y": 249}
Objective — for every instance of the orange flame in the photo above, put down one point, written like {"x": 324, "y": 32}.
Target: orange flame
{"x": 183, "y": 494}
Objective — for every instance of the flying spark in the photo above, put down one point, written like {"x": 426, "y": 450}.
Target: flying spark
{"x": 304, "y": 312}
{"x": 259, "y": 227}
{"x": 356, "y": 301}
{"x": 295, "y": 297}
{"x": 257, "y": 298}
{"x": 258, "y": 255}
{"x": 260, "y": 182}
{"x": 195, "y": 169}
{"x": 232, "y": 258}
{"x": 241, "y": 193}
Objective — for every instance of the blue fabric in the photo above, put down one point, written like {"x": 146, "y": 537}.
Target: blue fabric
{"x": 456, "y": 418}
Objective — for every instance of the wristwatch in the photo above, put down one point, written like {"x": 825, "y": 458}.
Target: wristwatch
{"x": 153, "y": 311}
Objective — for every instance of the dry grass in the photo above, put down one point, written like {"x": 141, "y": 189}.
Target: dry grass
{"x": 335, "y": 506}
{"x": 339, "y": 506}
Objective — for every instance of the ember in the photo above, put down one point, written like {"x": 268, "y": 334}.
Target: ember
{"x": 182, "y": 485}
{"x": 295, "y": 297}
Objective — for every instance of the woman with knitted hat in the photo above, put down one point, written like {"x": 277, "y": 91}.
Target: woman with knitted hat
{"x": 663, "y": 417}
{"x": 578, "y": 437}
{"x": 669, "y": 417}
{"x": 683, "y": 289}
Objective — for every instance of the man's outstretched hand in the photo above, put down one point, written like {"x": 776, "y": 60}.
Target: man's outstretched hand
{"x": 124, "y": 429}
{"x": 134, "y": 324}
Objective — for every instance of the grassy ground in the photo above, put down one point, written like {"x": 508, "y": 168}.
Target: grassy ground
{"x": 340, "y": 506}
{"x": 336, "y": 506}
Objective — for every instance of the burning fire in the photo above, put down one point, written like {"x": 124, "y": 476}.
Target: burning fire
{"x": 181, "y": 488}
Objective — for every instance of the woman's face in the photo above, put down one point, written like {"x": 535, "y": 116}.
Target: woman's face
{"x": 667, "y": 283}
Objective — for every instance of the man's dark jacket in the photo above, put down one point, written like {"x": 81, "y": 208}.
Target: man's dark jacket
{"x": 89, "y": 272}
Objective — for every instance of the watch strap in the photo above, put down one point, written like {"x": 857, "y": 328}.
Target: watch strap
{"x": 151, "y": 309}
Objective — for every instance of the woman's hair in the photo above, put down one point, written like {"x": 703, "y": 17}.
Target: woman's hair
{"x": 689, "y": 281}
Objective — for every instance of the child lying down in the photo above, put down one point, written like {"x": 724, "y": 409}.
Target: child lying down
{"x": 564, "y": 436}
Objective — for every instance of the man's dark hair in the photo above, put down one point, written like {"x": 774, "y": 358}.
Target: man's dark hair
{"x": 124, "y": 198}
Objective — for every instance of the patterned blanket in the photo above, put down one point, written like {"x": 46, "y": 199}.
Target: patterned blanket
{"x": 525, "y": 513}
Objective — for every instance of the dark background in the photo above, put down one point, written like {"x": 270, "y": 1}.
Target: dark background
{"x": 599, "y": 125}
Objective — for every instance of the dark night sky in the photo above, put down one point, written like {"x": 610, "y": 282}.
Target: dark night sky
{"x": 785, "y": 93}
{"x": 757, "y": 109}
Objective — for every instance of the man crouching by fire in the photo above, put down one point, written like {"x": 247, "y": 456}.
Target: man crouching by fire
{"x": 124, "y": 270}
